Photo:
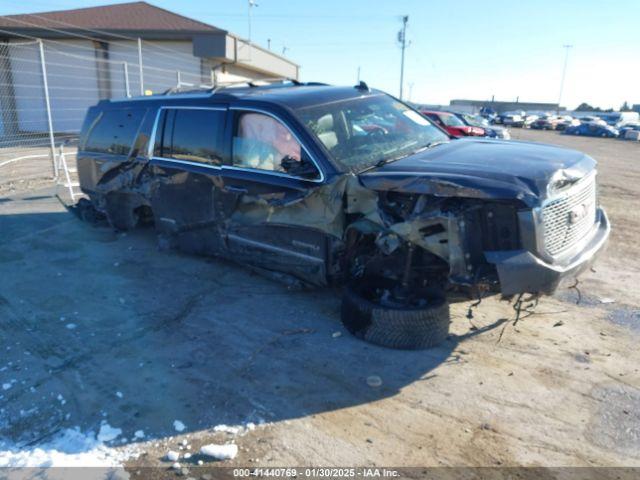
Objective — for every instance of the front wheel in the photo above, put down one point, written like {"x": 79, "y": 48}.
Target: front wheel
{"x": 415, "y": 325}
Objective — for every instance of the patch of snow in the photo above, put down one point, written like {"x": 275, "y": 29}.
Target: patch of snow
{"x": 70, "y": 448}
{"x": 119, "y": 394}
{"x": 172, "y": 456}
{"x": 187, "y": 456}
{"x": 179, "y": 426}
{"x": 107, "y": 433}
{"x": 7, "y": 386}
{"x": 237, "y": 429}
{"x": 71, "y": 326}
{"x": 138, "y": 434}
{"x": 220, "y": 452}
{"x": 233, "y": 430}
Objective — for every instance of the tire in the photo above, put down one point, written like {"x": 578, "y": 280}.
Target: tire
{"x": 411, "y": 328}
{"x": 121, "y": 211}
{"x": 87, "y": 212}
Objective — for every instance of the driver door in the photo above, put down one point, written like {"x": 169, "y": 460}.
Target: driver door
{"x": 271, "y": 199}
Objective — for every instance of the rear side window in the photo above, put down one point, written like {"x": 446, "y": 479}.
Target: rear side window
{"x": 114, "y": 131}
{"x": 189, "y": 134}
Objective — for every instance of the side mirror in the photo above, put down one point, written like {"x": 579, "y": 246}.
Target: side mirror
{"x": 299, "y": 168}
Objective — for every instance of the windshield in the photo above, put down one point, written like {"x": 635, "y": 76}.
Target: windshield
{"x": 360, "y": 133}
{"x": 451, "y": 120}
{"x": 476, "y": 121}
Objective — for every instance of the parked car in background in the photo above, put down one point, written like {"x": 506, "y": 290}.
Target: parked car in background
{"x": 593, "y": 129}
{"x": 546, "y": 122}
{"x": 490, "y": 131}
{"x": 512, "y": 119}
{"x": 634, "y": 127}
{"x": 618, "y": 119}
{"x": 528, "y": 120}
{"x": 452, "y": 124}
{"x": 567, "y": 121}
{"x": 592, "y": 119}
{"x": 488, "y": 113}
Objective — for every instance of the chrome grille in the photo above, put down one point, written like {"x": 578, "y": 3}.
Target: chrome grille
{"x": 568, "y": 218}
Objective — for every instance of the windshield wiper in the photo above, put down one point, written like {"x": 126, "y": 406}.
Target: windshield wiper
{"x": 384, "y": 161}
{"x": 431, "y": 145}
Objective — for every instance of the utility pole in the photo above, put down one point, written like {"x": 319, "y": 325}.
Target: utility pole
{"x": 358, "y": 81}
{"x": 252, "y": 3}
{"x": 564, "y": 72}
{"x": 402, "y": 38}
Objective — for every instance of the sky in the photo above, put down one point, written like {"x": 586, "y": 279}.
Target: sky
{"x": 458, "y": 49}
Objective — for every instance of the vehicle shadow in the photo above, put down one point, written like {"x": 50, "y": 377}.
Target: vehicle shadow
{"x": 103, "y": 328}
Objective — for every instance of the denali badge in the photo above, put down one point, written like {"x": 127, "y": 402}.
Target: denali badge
{"x": 577, "y": 213}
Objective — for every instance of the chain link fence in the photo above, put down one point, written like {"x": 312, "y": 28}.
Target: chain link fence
{"x": 46, "y": 87}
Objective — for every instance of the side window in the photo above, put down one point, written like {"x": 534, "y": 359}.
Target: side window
{"x": 194, "y": 135}
{"x": 263, "y": 143}
{"x": 114, "y": 131}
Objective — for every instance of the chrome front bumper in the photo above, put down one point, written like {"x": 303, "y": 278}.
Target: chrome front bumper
{"x": 520, "y": 271}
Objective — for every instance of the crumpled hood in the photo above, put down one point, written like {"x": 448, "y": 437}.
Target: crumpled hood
{"x": 479, "y": 168}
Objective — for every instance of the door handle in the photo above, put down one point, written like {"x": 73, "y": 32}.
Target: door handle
{"x": 234, "y": 189}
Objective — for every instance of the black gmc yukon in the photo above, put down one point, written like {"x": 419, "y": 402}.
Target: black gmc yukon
{"x": 319, "y": 185}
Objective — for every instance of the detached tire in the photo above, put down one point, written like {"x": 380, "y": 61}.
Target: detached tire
{"x": 411, "y": 328}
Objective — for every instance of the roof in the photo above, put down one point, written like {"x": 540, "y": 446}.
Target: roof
{"x": 295, "y": 97}
{"x": 435, "y": 112}
{"x": 136, "y": 16}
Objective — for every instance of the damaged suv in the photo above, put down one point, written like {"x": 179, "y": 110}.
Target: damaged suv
{"x": 320, "y": 185}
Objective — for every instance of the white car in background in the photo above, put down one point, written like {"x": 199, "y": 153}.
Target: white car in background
{"x": 592, "y": 119}
{"x": 529, "y": 119}
{"x": 513, "y": 119}
{"x": 567, "y": 121}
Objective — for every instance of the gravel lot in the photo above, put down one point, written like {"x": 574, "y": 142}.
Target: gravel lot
{"x": 101, "y": 328}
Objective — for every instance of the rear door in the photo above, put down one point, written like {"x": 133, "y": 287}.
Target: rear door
{"x": 275, "y": 212}
{"x": 106, "y": 143}
{"x": 188, "y": 153}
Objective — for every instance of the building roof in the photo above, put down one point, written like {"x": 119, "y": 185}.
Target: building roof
{"x": 133, "y": 16}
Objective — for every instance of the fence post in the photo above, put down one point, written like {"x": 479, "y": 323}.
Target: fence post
{"x": 47, "y": 101}
{"x": 126, "y": 79}
{"x": 140, "y": 66}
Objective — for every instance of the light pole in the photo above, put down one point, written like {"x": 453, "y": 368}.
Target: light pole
{"x": 252, "y": 3}
{"x": 402, "y": 38}
{"x": 564, "y": 72}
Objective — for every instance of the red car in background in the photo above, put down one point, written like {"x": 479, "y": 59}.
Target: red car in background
{"x": 453, "y": 125}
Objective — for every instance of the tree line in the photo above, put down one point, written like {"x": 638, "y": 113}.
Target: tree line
{"x": 585, "y": 107}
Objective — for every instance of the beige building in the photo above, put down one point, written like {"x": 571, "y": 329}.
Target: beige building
{"x": 114, "y": 51}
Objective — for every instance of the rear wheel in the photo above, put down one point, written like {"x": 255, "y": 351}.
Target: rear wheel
{"x": 372, "y": 313}
{"x": 122, "y": 211}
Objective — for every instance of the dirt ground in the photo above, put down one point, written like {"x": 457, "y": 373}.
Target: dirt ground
{"x": 139, "y": 338}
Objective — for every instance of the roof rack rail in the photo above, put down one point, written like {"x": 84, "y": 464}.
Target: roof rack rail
{"x": 187, "y": 89}
{"x": 265, "y": 82}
